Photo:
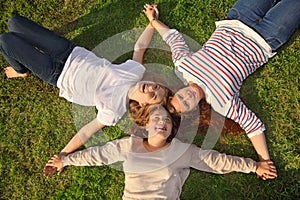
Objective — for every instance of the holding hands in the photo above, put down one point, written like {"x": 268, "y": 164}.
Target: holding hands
{"x": 151, "y": 12}
{"x": 266, "y": 170}
{"x": 53, "y": 165}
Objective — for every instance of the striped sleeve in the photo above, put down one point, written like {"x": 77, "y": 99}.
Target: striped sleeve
{"x": 247, "y": 120}
{"x": 177, "y": 43}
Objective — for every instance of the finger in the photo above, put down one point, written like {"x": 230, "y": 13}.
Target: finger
{"x": 49, "y": 171}
{"x": 270, "y": 162}
{"x": 49, "y": 165}
{"x": 274, "y": 174}
{"x": 156, "y": 10}
{"x": 59, "y": 171}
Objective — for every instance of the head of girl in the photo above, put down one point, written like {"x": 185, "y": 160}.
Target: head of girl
{"x": 147, "y": 93}
{"x": 186, "y": 99}
{"x": 159, "y": 123}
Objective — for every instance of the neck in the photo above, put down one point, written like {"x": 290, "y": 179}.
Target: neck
{"x": 154, "y": 145}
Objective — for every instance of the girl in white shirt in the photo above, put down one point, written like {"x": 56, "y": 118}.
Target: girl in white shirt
{"x": 81, "y": 76}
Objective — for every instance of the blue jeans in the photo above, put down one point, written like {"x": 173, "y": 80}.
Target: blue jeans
{"x": 29, "y": 46}
{"x": 275, "y": 22}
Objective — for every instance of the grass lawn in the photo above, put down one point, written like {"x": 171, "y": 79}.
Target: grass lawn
{"x": 35, "y": 123}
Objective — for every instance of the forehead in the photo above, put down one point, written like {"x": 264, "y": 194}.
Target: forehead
{"x": 160, "y": 111}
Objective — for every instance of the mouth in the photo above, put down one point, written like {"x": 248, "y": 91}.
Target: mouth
{"x": 148, "y": 87}
{"x": 161, "y": 128}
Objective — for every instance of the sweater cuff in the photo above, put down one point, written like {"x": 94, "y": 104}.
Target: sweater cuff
{"x": 64, "y": 160}
{"x": 168, "y": 33}
{"x": 257, "y": 132}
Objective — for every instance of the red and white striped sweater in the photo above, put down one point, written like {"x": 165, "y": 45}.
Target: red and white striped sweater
{"x": 233, "y": 52}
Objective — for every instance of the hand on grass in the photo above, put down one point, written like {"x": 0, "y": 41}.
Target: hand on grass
{"x": 266, "y": 170}
{"x": 54, "y": 165}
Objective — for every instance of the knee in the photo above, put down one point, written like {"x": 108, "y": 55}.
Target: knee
{"x": 233, "y": 14}
{"x": 4, "y": 38}
{"x": 14, "y": 22}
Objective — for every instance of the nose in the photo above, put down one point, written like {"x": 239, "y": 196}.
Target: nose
{"x": 187, "y": 97}
{"x": 161, "y": 121}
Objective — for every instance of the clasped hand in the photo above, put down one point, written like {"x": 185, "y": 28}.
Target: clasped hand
{"x": 53, "y": 165}
{"x": 151, "y": 11}
{"x": 266, "y": 170}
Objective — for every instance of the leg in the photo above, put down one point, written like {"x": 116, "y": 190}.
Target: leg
{"x": 38, "y": 36}
{"x": 274, "y": 22}
{"x": 250, "y": 12}
{"x": 19, "y": 54}
{"x": 280, "y": 23}
{"x": 10, "y": 72}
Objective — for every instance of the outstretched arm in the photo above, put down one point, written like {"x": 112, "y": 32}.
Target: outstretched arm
{"x": 252, "y": 125}
{"x": 220, "y": 163}
{"x": 93, "y": 156}
{"x": 84, "y": 134}
{"x": 142, "y": 44}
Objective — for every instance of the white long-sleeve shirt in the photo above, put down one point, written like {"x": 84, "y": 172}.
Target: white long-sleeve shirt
{"x": 232, "y": 53}
{"x": 161, "y": 174}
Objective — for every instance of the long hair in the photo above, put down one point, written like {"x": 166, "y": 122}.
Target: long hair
{"x": 202, "y": 118}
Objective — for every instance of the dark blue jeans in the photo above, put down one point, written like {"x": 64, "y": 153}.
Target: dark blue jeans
{"x": 29, "y": 46}
{"x": 275, "y": 22}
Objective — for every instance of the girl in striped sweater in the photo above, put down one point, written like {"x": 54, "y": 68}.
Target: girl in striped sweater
{"x": 241, "y": 44}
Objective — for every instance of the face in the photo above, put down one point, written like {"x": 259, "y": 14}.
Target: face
{"x": 186, "y": 99}
{"x": 160, "y": 125}
{"x": 146, "y": 92}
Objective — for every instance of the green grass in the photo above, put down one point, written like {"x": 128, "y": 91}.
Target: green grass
{"x": 35, "y": 123}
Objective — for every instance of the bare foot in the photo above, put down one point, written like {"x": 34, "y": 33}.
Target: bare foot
{"x": 11, "y": 73}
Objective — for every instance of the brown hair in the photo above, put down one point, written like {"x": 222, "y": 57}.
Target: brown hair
{"x": 147, "y": 112}
{"x": 137, "y": 112}
{"x": 201, "y": 117}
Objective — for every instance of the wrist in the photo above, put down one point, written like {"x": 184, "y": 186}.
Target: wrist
{"x": 63, "y": 153}
{"x": 152, "y": 20}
